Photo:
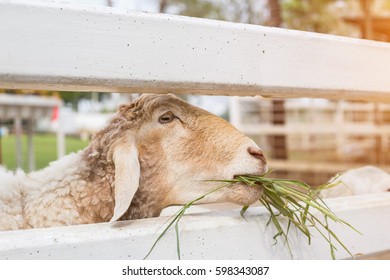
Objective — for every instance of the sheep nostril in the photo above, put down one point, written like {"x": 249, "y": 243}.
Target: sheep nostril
{"x": 257, "y": 153}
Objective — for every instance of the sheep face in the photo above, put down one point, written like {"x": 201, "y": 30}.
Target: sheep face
{"x": 179, "y": 147}
{"x": 188, "y": 146}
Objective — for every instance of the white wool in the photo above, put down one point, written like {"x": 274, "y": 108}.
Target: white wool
{"x": 360, "y": 181}
{"x": 11, "y": 199}
{"x": 56, "y": 172}
{"x": 44, "y": 186}
{"x": 19, "y": 204}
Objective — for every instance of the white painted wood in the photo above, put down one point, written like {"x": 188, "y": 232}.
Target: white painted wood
{"x": 214, "y": 235}
{"x": 26, "y": 107}
{"x": 235, "y": 112}
{"x": 317, "y": 167}
{"x": 18, "y": 141}
{"x": 61, "y": 46}
{"x": 312, "y": 129}
{"x": 60, "y": 137}
{"x": 29, "y": 101}
{"x": 30, "y": 144}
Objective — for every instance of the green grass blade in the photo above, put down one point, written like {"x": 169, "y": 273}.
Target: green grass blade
{"x": 175, "y": 219}
{"x": 295, "y": 200}
{"x": 160, "y": 236}
{"x": 243, "y": 210}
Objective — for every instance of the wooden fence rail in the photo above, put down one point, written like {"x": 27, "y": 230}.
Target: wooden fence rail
{"x": 63, "y": 47}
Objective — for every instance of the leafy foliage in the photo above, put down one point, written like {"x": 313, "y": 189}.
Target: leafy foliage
{"x": 197, "y": 8}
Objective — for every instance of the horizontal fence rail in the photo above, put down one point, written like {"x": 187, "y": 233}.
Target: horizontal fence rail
{"x": 213, "y": 235}
{"x": 57, "y": 46}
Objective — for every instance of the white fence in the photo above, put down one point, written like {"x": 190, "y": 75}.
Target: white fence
{"x": 30, "y": 109}
{"x": 58, "y": 46}
{"x": 62, "y": 47}
{"x": 352, "y": 131}
{"x": 210, "y": 235}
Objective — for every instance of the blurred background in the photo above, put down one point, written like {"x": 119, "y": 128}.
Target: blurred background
{"x": 306, "y": 139}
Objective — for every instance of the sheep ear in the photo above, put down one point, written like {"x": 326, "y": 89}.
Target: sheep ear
{"x": 127, "y": 173}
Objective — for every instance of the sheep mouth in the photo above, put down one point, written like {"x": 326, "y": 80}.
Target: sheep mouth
{"x": 258, "y": 174}
{"x": 247, "y": 175}
{"x": 242, "y": 193}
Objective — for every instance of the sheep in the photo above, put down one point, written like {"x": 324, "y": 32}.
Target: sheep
{"x": 359, "y": 181}
{"x": 155, "y": 152}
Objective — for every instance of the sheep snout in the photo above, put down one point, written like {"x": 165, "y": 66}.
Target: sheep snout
{"x": 250, "y": 160}
{"x": 257, "y": 153}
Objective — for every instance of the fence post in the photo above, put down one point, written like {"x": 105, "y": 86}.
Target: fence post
{"x": 18, "y": 140}
{"x": 30, "y": 144}
{"x": 60, "y": 137}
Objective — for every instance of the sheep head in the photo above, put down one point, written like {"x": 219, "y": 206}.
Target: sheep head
{"x": 163, "y": 151}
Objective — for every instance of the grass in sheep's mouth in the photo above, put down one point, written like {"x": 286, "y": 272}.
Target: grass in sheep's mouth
{"x": 291, "y": 199}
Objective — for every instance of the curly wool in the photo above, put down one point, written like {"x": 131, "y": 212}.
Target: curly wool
{"x": 55, "y": 196}
{"x": 79, "y": 188}
{"x": 11, "y": 200}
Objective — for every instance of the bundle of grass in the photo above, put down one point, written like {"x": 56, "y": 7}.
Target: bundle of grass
{"x": 292, "y": 199}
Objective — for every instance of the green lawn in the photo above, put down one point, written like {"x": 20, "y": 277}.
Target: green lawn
{"x": 45, "y": 149}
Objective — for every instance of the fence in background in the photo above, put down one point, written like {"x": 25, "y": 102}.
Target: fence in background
{"x": 324, "y": 137}
{"x": 30, "y": 109}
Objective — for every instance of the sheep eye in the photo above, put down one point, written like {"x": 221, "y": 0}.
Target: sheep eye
{"x": 166, "y": 118}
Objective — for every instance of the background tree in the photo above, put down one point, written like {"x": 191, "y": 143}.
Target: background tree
{"x": 309, "y": 15}
{"x": 323, "y": 16}
{"x": 193, "y": 8}
{"x": 163, "y": 6}
{"x": 275, "y": 13}
{"x": 245, "y": 11}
